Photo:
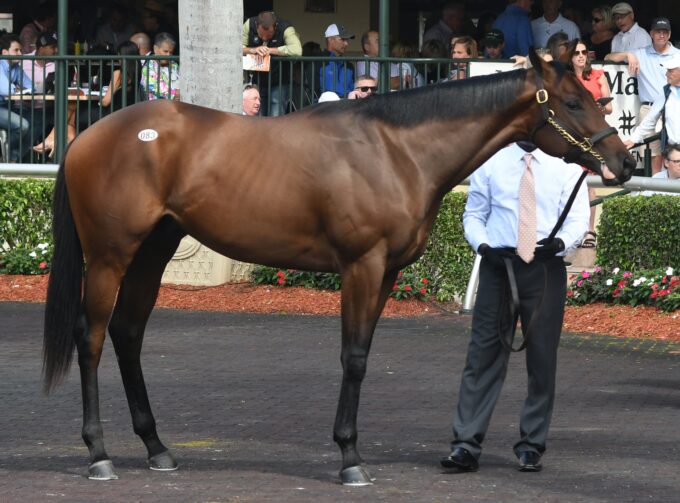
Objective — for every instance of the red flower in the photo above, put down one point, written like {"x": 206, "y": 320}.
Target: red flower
{"x": 399, "y": 275}
{"x": 281, "y": 274}
{"x": 570, "y": 293}
{"x": 424, "y": 281}
{"x": 281, "y": 281}
{"x": 395, "y": 287}
{"x": 616, "y": 292}
{"x": 653, "y": 296}
{"x": 423, "y": 291}
{"x": 42, "y": 265}
{"x": 621, "y": 284}
{"x": 655, "y": 286}
{"x": 407, "y": 288}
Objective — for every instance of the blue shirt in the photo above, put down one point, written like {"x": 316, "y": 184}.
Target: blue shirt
{"x": 652, "y": 76}
{"x": 492, "y": 210}
{"x": 11, "y": 79}
{"x": 516, "y": 27}
{"x": 336, "y": 76}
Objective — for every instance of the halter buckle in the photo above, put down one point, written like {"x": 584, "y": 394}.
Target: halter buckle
{"x": 542, "y": 96}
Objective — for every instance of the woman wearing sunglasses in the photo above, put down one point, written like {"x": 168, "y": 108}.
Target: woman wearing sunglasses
{"x": 594, "y": 80}
{"x": 603, "y": 31}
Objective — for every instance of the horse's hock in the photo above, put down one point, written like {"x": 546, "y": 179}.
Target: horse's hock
{"x": 195, "y": 264}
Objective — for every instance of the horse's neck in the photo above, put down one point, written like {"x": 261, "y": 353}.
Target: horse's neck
{"x": 449, "y": 151}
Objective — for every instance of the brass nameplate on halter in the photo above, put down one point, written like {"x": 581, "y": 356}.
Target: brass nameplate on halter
{"x": 542, "y": 96}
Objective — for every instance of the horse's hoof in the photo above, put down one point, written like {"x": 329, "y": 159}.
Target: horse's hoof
{"x": 356, "y": 476}
{"x": 163, "y": 462}
{"x": 102, "y": 470}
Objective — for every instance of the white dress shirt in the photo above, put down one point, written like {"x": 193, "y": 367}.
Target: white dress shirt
{"x": 543, "y": 29}
{"x": 491, "y": 212}
{"x": 648, "y": 125}
{"x": 635, "y": 38}
{"x": 652, "y": 76}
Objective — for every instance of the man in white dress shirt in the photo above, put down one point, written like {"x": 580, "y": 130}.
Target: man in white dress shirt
{"x": 552, "y": 22}
{"x": 631, "y": 36}
{"x": 492, "y": 227}
{"x": 667, "y": 108}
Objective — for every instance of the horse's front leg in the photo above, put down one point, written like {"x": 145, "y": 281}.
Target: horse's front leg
{"x": 365, "y": 288}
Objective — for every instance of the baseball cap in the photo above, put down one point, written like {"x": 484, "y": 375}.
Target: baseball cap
{"x": 44, "y": 39}
{"x": 328, "y": 96}
{"x": 661, "y": 23}
{"x": 335, "y": 30}
{"x": 622, "y": 8}
{"x": 494, "y": 38}
{"x": 672, "y": 62}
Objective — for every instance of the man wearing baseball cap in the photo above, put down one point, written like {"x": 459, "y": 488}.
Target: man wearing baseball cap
{"x": 667, "y": 108}
{"x": 494, "y": 41}
{"x": 631, "y": 36}
{"x": 337, "y": 76}
{"x": 645, "y": 64}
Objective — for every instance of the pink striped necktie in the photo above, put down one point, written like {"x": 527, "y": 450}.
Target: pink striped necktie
{"x": 526, "y": 232}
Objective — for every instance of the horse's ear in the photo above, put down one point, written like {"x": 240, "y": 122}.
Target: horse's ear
{"x": 537, "y": 61}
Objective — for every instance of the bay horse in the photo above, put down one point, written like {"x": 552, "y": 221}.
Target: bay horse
{"x": 351, "y": 187}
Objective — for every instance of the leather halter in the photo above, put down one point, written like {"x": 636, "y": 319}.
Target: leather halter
{"x": 573, "y": 137}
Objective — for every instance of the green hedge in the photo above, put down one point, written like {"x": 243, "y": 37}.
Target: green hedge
{"x": 637, "y": 232}
{"x": 25, "y": 225}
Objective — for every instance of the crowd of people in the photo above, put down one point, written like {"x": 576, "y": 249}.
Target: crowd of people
{"x": 123, "y": 82}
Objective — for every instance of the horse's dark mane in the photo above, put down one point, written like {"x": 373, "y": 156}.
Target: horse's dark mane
{"x": 440, "y": 101}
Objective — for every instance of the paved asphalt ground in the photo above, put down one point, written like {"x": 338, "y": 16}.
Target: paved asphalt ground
{"x": 247, "y": 403}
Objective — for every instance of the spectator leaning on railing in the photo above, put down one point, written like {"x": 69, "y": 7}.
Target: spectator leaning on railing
{"x": 265, "y": 35}
{"x": 645, "y": 64}
{"x": 667, "y": 107}
{"x": 13, "y": 80}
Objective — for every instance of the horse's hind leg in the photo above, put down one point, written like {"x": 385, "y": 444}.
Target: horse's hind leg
{"x": 365, "y": 288}
{"x": 136, "y": 299}
{"x": 101, "y": 285}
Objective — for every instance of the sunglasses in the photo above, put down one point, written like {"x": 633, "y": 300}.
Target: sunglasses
{"x": 365, "y": 89}
{"x": 596, "y": 20}
{"x": 584, "y": 52}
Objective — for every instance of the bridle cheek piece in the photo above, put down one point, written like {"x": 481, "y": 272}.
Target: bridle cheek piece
{"x": 585, "y": 144}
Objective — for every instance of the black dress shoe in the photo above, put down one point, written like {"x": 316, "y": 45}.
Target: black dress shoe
{"x": 529, "y": 461}
{"x": 461, "y": 459}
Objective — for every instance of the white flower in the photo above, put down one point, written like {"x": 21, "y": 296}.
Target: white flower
{"x": 44, "y": 252}
{"x": 669, "y": 271}
{"x": 636, "y": 282}
{"x": 42, "y": 246}
{"x": 33, "y": 254}
{"x": 642, "y": 279}
{"x": 616, "y": 270}
{"x": 609, "y": 282}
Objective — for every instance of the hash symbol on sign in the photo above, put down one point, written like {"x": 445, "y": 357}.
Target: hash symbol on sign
{"x": 627, "y": 120}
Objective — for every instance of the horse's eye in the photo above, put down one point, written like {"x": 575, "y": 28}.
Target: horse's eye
{"x": 573, "y": 104}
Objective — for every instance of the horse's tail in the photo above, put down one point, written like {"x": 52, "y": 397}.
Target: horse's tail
{"x": 64, "y": 291}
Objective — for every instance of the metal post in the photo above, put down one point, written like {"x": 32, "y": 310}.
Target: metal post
{"x": 648, "y": 160}
{"x": 384, "y": 79}
{"x": 471, "y": 291}
{"x": 61, "y": 81}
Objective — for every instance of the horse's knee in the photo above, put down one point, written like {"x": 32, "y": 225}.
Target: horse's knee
{"x": 354, "y": 366}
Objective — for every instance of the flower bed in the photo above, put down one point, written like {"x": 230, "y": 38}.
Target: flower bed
{"x": 656, "y": 287}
